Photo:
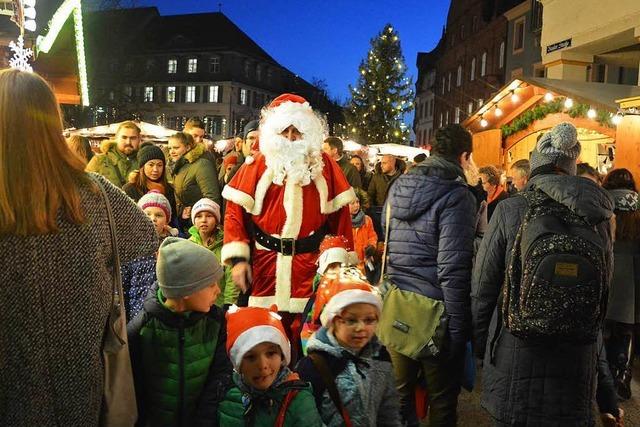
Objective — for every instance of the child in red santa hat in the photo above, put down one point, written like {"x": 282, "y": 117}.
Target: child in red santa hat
{"x": 266, "y": 392}
{"x": 349, "y": 369}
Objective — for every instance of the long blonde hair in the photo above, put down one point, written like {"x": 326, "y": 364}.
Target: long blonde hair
{"x": 39, "y": 174}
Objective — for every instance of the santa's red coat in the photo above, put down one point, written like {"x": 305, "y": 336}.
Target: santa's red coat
{"x": 289, "y": 211}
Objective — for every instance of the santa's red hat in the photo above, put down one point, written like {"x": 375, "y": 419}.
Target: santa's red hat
{"x": 287, "y": 97}
{"x": 249, "y": 326}
{"x": 333, "y": 249}
{"x": 335, "y": 293}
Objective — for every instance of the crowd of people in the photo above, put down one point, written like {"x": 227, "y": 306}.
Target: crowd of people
{"x": 288, "y": 283}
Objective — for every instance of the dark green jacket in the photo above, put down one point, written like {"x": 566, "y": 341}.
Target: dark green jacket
{"x": 112, "y": 164}
{"x": 229, "y": 291}
{"x": 350, "y": 172}
{"x": 379, "y": 185}
{"x": 180, "y": 365}
{"x": 302, "y": 410}
{"x": 194, "y": 177}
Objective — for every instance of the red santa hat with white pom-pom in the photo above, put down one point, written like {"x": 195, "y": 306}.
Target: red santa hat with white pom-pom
{"x": 249, "y": 326}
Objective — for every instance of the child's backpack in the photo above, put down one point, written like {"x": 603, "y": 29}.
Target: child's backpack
{"x": 556, "y": 284}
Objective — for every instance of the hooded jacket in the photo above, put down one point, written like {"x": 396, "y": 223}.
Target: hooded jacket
{"x": 180, "y": 364}
{"x": 112, "y": 164}
{"x": 244, "y": 406}
{"x": 194, "y": 178}
{"x": 530, "y": 383}
{"x": 365, "y": 383}
{"x": 431, "y": 234}
{"x": 229, "y": 291}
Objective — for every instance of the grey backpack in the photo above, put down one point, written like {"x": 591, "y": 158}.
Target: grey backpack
{"x": 556, "y": 285}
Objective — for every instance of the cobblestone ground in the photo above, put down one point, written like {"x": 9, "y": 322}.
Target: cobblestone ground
{"x": 471, "y": 414}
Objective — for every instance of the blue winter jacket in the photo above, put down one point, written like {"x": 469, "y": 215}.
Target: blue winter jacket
{"x": 430, "y": 247}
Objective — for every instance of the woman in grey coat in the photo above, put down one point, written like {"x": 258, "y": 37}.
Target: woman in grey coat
{"x": 623, "y": 312}
{"x": 56, "y": 275}
{"x": 528, "y": 382}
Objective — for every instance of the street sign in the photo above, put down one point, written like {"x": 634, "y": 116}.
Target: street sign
{"x": 559, "y": 46}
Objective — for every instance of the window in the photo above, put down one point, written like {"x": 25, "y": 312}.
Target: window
{"x": 214, "y": 64}
{"x": 432, "y": 101}
{"x": 112, "y": 95}
{"x": 148, "y": 94}
{"x": 501, "y": 58}
{"x": 599, "y": 73}
{"x": 213, "y": 125}
{"x": 518, "y": 35}
{"x": 269, "y": 75}
{"x": 246, "y": 68}
{"x": 258, "y": 72}
{"x": 150, "y": 64}
{"x": 128, "y": 91}
{"x": 446, "y": 117}
{"x": 474, "y": 24}
{"x": 459, "y": 76}
{"x": 192, "y": 66}
{"x": 443, "y": 83}
{"x": 171, "y": 94}
{"x": 449, "y": 82}
{"x": 472, "y": 74}
{"x": 128, "y": 67}
{"x": 243, "y": 97}
{"x": 440, "y": 120}
{"x": 462, "y": 32}
{"x": 483, "y": 64}
{"x": 457, "y": 116}
{"x": 191, "y": 94}
{"x": 172, "y": 66}
{"x": 536, "y": 24}
{"x": 214, "y": 93}
{"x": 480, "y": 102}
{"x": 470, "y": 108}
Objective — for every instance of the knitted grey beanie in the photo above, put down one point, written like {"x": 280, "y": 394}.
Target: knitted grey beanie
{"x": 184, "y": 267}
{"x": 559, "y": 147}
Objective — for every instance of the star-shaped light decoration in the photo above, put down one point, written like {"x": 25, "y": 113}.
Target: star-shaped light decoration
{"x": 20, "y": 58}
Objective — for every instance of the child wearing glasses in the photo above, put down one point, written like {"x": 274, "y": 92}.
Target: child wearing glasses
{"x": 348, "y": 367}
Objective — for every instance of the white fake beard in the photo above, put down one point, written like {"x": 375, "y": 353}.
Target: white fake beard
{"x": 298, "y": 161}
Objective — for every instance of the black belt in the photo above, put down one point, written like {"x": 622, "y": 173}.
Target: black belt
{"x": 290, "y": 247}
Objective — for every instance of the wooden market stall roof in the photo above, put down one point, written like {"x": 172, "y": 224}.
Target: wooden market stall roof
{"x": 523, "y": 93}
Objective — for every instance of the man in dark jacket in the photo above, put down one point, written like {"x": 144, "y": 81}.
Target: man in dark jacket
{"x": 386, "y": 172}
{"x": 527, "y": 382}
{"x": 430, "y": 251}
{"x": 334, "y": 148}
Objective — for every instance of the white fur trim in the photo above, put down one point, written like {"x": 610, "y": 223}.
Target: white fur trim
{"x": 257, "y": 335}
{"x": 330, "y": 256}
{"x": 296, "y": 305}
{"x": 261, "y": 190}
{"x": 330, "y": 206}
{"x": 249, "y": 160}
{"x": 343, "y": 299}
{"x": 238, "y": 197}
{"x": 235, "y": 250}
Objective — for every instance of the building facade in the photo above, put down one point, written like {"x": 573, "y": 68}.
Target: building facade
{"x": 599, "y": 43}
{"x": 523, "y": 52}
{"x": 470, "y": 58}
{"x": 166, "y": 69}
{"x": 425, "y": 98}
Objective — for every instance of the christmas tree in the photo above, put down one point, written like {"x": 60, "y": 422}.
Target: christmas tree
{"x": 383, "y": 94}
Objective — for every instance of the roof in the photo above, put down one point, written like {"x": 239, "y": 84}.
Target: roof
{"x": 599, "y": 95}
{"x": 182, "y": 33}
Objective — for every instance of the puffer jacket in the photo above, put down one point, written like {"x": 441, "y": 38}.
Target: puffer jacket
{"x": 247, "y": 407}
{"x": 194, "y": 178}
{"x": 365, "y": 382}
{"x": 180, "y": 364}
{"x": 528, "y": 383}
{"x": 112, "y": 164}
{"x": 430, "y": 248}
{"x": 228, "y": 290}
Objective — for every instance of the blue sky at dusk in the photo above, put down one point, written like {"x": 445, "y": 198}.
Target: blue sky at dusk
{"x": 325, "y": 39}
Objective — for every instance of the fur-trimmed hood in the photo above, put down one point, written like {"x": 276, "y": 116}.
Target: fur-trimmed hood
{"x": 108, "y": 145}
{"x": 194, "y": 154}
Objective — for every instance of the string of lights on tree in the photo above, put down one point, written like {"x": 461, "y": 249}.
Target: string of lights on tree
{"x": 383, "y": 94}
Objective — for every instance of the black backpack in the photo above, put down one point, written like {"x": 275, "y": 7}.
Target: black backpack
{"x": 556, "y": 283}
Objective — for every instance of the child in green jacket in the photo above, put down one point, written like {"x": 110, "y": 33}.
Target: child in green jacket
{"x": 206, "y": 231}
{"x": 180, "y": 366}
{"x": 266, "y": 392}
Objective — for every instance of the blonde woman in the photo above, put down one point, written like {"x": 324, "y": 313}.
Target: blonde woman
{"x": 55, "y": 263}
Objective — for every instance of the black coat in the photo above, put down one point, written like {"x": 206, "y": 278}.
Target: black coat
{"x": 529, "y": 383}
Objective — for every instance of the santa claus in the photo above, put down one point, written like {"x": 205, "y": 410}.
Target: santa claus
{"x": 281, "y": 204}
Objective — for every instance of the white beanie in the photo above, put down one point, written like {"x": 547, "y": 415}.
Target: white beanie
{"x": 205, "y": 205}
